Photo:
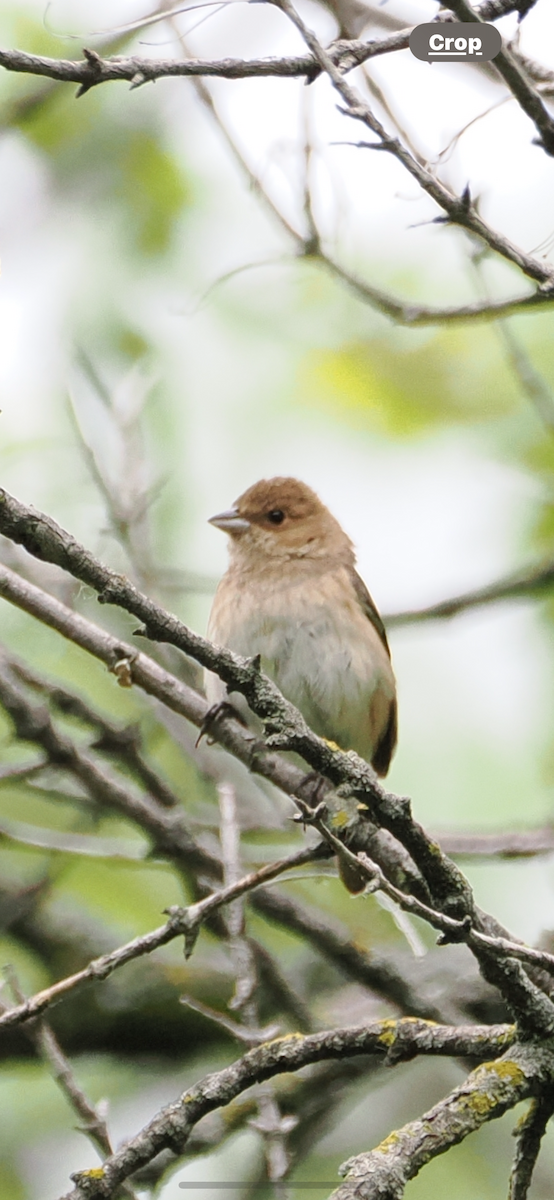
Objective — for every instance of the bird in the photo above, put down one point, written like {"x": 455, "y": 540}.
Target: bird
{"x": 292, "y": 595}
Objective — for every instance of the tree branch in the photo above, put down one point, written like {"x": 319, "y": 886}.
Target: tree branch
{"x": 518, "y": 82}
{"x": 522, "y": 583}
{"x": 460, "y": 210}
{"x": 485, "y": 1095}
{"x": 182, "y": 922}
{"x": 132, "y": 667}
{"x": 529, "y": 1133}
{"x": 449, "y": 891}
{"x": 518, "y": 843}
{"x": 172, "y": 1126}
{"x": 137, "y": 70}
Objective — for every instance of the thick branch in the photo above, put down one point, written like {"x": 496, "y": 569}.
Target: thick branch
{"x": 486, "y": 1094}
{"x": 172, "y": 1125}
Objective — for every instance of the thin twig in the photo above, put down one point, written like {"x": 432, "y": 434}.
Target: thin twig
{"x": 92, "y": 1124}
{"x": 460, "y": 210}
{"x": 518, "y": 82}
{"x": 182, "y": 922}
{"x": 521, "y": 584}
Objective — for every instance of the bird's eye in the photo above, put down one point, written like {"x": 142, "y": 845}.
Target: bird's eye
{"x": 276, "y": 516}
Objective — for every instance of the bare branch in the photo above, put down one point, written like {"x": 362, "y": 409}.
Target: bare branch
{"x": 529, "y": 1133}
{"x": 172, "y": 1126}
{"x": 531, "y": 381}
{"x": 486, "y": 1094}
{"x": 167, "y": 829}
{"x": 524, "y": 843}
{"x": 449, "y": 890}
{"x": 93, "y": 1124}
{"x": 136, "y": 70}
{"x": 122, "y": 744}
{"x": 182, "y": 922}
{"x": 452, "y": 930}
{"x": 523, "y": 583}
{"x": 517, "y": 81}
{"x": 459, "y": 209}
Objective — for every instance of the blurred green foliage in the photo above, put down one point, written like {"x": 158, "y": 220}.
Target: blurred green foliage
{"x": 404, "y": 386}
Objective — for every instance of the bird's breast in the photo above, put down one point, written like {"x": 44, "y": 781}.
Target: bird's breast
{"x": 320, "y": 648}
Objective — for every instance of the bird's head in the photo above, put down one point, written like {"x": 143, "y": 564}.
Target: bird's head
{"x": 282, "y": 518}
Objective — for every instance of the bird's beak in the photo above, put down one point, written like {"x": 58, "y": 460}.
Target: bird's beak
{"x": 230, "y": 522}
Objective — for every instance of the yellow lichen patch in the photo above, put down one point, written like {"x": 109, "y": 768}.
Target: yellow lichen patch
{"x": 339, "y": 819}
{"x": 332, "y": 745}
{"x": 481, "y": 1103}
{"x": 388, "y": 1032}
{"x": 505, "y": 1068}
{"x": 92, "y": 1173}
{"x": 388, "y": 1144}
{"x": 391, "y": 1028}
{"x": 286, "y": 1037}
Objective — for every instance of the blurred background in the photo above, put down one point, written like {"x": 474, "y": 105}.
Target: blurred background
{"x": 163, "y": 344}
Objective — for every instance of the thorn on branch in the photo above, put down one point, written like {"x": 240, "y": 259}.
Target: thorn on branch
{"x": 186, "y": 924}
{"x": 456, "y": 935}
{"x": 94, "y": 72}
{"x": 465, "y": 199}
{"x": 368, "y": 145}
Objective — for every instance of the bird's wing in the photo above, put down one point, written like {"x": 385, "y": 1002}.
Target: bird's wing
{"x": 369, "y": 608}
{"x": 387, "y": 742}
{"x": 386, "y": 746}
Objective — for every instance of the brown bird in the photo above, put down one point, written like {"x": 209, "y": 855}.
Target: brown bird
{"x": 292, "y": 595}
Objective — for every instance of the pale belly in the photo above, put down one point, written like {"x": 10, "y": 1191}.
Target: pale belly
{"x": 328, "y": 661}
